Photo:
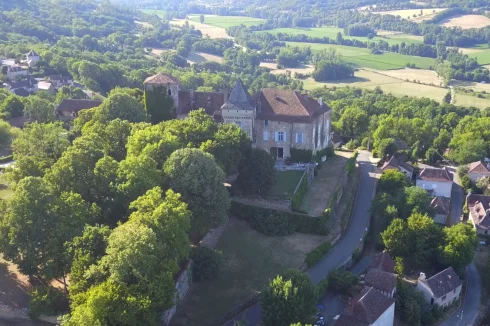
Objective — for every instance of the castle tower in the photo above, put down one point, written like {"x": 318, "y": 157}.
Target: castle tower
{"x": 169, "y": 83}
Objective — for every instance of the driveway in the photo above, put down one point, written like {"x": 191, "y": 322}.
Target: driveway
{"x": 347, "y": 244}
{"x": 457, "y": 199}
{"x": 468, "y": 312}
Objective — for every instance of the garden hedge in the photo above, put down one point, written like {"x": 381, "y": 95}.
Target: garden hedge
{"x": 276, "y": 222}
{"x": 300, "y": 193}
{"x": 301, "y": 155}
{"x": 316, "y": 255}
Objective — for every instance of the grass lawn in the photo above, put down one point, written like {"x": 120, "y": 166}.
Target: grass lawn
{"x": 469, "y": 100}
{"x": 482, "y": 57}
{"x": 228, "y": 21}
{"x": 5, "y": 192}
{"x": 331, "y": 32}
{"x": 286, "y": 182}
{"x": 251, "y": 260}
{"x": 363, "y": 57}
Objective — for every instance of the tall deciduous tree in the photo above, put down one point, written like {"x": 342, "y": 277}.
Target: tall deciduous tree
{"x": 289, "y": 300}
{"x": 36, "y": 148}
{"x": 458, "y": 249}
{"x": 199, "y": 179}
{"x": 159, "y": 105}
{"x": 353, "y": 123}
{"x": 392, "y": 181}
{"x": 121, "y": 106}
{"x": 395, "y": 237}
{"x": 257, "y": 175}
{"x": 38, "y": 109}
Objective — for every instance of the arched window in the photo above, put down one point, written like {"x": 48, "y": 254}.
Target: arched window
{"x": 169, "y": 92}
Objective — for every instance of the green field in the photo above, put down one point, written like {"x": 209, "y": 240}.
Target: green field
{"x": 363, "y": 57}
{"x": 228, "y": 21}
{"x": 483, "y": 57}
{"x": 332, "y": 32}
{"x": 159, "y": 13}
{"x": 286, "y": 182}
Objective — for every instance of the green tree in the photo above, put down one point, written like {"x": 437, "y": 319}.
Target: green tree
{"x": 257, "y": 175}
{"x": 7, "y": 135}
{"x": 341, "y": 281}
{"x": 199, "y": 179}
{"x": 416, "y": 200}
{"x": 206, "y": 263}
{"x": 458, "y": 249}
{"x": 399, "y": 266}
{"x": 470, "y": 151}
{"x": 159, "y": 105}
{"x": 392, "y": 181}
{"x": 38, "y": 109}
{"x": 201, "y": 19}
{"x": 424, "y": 240}
{"x": 289, "y": 300}
{"x": 35, "y": 224}
{"x": 395, "y": 238}
{"x": 353, "y": 123}
{"x": 120, "y": 106}
{"x": 230, "y": 146}
{"x": 386, "y": 147}
{"x": 114, "y": 136}
{"x": 11, "y": 107}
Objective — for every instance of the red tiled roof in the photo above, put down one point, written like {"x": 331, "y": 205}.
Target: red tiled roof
{"x": 161, "y": 79}
{"x": 367, "y": 307}
{"x": 478, "y": 167}
{"x": 384, "y": 262}
{"x": 380, "y": 280}
{"x": 432, "y": 174}
{"x": 441, "y": 204}
{"x": 190, "y": 100}
{"x": 478, "y": 205}
{"x": 347, "y": 320}
{"x": 287, "y": 105}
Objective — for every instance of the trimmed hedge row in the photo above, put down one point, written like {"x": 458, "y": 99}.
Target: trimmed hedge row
{"x": 301, "y": 155}
{"x": 300, "y": 193}
{"x": 278, "y": 223}
{"x": 316, "y": 255}
{"x": 350, "y": 166}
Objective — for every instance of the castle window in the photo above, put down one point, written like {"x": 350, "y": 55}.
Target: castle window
{"x": 169, "y": 92}
{"x": 299, "y": 138}
{"x": 266, "y": 136}
{"x": 266, "y": 123}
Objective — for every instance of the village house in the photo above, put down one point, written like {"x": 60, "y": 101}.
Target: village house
{"x": 442, "y": 289}
{"x": 23, "y": 87}
{"x": 14, "y": 72}
{"x": 442, "y": 208}
{"x": 276, "y": 120}
{"x": 479, "y": 212}
{"x": 478, "y": 170}
{"x": 59, "y": 81}
{"x": 437, "y": 182}
{"x": 369, "y": 308}
{"x": 397, "y": 164}
{"x": 32, "y": 58}
{"x": 68, "y": 109}
{"x": 381, "y": 274}
{"x": 45, "y": 86}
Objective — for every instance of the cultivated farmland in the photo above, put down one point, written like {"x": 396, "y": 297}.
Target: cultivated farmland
{"x": 467, "y": 21}
{"x": 228, "y": 21}
{"x": 427, "y": 13}
{"x": 363, "y": 57}
{"x": 331, "y": 32}
{"x": 209, "y": 30}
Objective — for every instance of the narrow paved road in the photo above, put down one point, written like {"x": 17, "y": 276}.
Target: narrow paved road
{"x": 347, "y": 244}
{"x": 467, "y": 314}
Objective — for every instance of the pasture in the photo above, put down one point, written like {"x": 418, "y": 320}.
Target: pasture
{"x": 423, "y": 76}
{"x": 363, "y": 57}
{"x": 209, "y": 30}
{"x": 227, "y": 21}
{"x": 370, "y": 80}
{"x": 331, "y": 32}
{"x": 467, "y": 21}
{"x": 470, "y": 100}
{"x": 160, "y": 13}
{"x": 420, "y": 14}
{"x": 483, "y": 57}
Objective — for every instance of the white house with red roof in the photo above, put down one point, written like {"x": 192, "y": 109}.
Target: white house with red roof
{"x": 478, "y": 170}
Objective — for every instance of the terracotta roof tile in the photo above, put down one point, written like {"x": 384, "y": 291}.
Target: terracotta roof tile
{"x": 190, "y": 100}
{"x": 478, "y": 206}
{"x": 441, "y": 204}
{"x": 478, "y": 167}
{"x": 287, "y": 105}
{"x": 384, "y": 262}
{"x": 161, "y": 79}
{"x": 366, "y": 307}
{"x": 443, "y": 282}
{"x": 380, "y": 280}
{"x": 433, "y": 174}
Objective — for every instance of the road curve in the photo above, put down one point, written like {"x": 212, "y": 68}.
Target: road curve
{"x": 347, "y": 244}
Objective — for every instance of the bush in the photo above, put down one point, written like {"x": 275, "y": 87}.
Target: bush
{"x": 262, "y": 219}
{"x": 206, "y": 263}
{"x": 350, "y": 166}
{"x": 356, "y": 255}
{"x": 462, "y": 171}
{"x": 341, "y": 281}
{"x": 300, "y": 193}
{"x": 301, "y": 155}
{"x": 466, "y": 183}
{"x": 46, "y": 301}
{"x": 322, "y": 287}
{"x": 316, "y": 255}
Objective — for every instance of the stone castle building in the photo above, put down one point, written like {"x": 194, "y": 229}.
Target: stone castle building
{"x": 275, "y": 119}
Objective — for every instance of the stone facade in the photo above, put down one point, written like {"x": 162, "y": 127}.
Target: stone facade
{"x": 442, "y": 289}
{"x": 244, "y": 118}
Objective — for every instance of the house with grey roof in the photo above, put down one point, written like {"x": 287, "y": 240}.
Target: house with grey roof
{"x": 68, "y": 109}
{"x": 32, "y": 58}
{"x": 479, "y": 212}
{"x": 368, "y": 308}
{"x": 381, "y": 274}
{"x": 442, "y": 289}
{"x": 397, "y": 164}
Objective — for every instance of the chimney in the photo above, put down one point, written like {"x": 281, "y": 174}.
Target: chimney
{"x": 422, "y": 276}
